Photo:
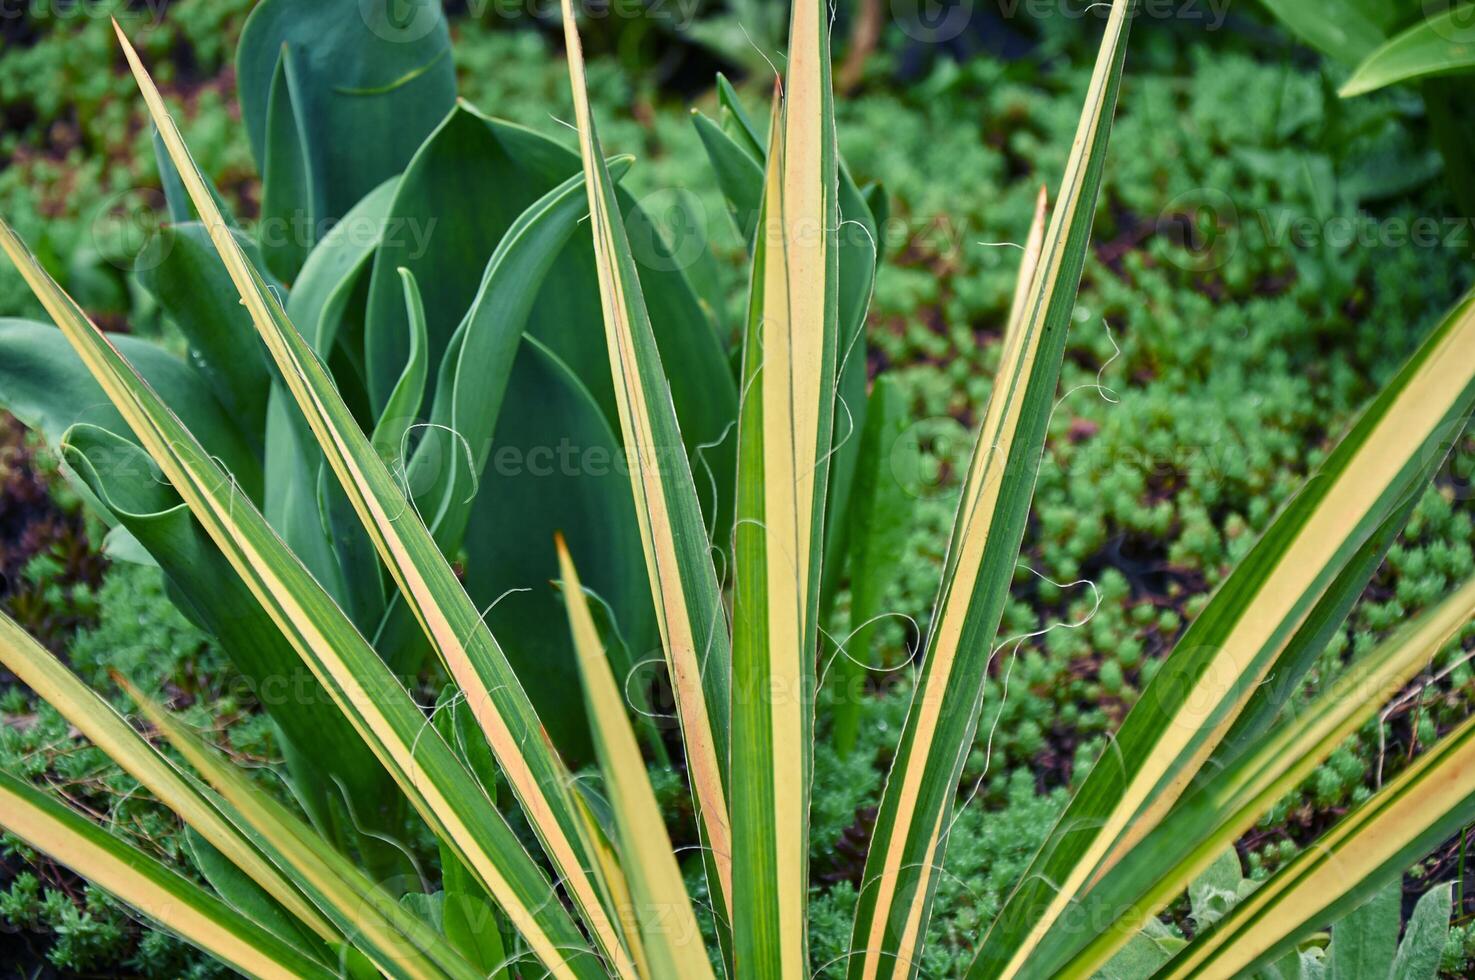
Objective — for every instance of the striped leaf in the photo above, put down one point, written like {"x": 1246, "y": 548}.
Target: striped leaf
{"x": 1034, "y": 245}
{"x": 426, "y": 581}
{"x": 1294, "y": 573}
{"x": 658, "y": 898}
{"x": 38, "y": 669}
{"x": 176, "y": 904}
{"x": 1370, "y": 847}
{"x": 678, "y": 553}
{"x": 910, "y": 834}
{"x": 1209, "y": 821}
{"x": 784, "y": 438}
{"x": 373, "y": 699}
{"x": 396, "y": 941}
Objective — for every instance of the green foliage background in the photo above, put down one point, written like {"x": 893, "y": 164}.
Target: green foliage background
{"x": 1248, "y": 290}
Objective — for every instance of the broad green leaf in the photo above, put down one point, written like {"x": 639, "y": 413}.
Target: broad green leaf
{"x": 179, "y": 267}
{"x": 287, "y": 204}
{"x": 533, "y": 174}
{"x": 1441, "y": 45}
{"x": 322, "y": 293}
{"x": 1365, "y": 940}
{"x": 678, "y": 552}
{"x": 1422, "y": 950}
{"x": 911, "y": 829}
{"x": 548, "y": 465}
{"x": 447, "y": 227}
{"x": 554, "y": 469}
{"x": 327, "y": 752}
{"x": 176, "y": 904}
{"x": 1291, "y": 573}
{"x": 1183, "y": 847}
{"x": 402, "y": 409}
{"x": 357, "y": 67}
{"x": 379, "y": 707}
{"x": 97, "y": 720}
{"x": 1354, "y": 859}
{"x": 45, "y": 385}
{"x": 480, "y": 357}
{"x": 661, "y": 906}
{"x": 326, "y": 300}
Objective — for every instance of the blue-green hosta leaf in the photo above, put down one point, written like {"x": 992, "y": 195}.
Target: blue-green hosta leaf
{"x": 45, "y": 385}
{"x": 324, "y": 751}
{"x": 900, "y": 877}
{"x": 180, "y": 268}
{"x": 358, "y": 67}
{"x": 449, "y": 226}
{"x": 556, "y": 466}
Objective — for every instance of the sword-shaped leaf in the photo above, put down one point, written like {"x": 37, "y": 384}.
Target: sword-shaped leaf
{"x": 785, "y": 429}
{"x": 911, "y": 829}
{"x": 399, "y": 943}
{"x": 447, "y": 616}
{"x": 1294, "y": 573}
{"x": 373, "y": 699}
{"x": 1209, "y": 821}
{"x": 678, "y": 553}
{"x": 175, "y": 903}
{"x": 1371, "y": 846}
{"x": 38, "y": 669}
{"x": 657, "y": 894}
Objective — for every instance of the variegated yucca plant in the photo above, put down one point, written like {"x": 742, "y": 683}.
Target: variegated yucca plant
{"x": 1209, "y": 748}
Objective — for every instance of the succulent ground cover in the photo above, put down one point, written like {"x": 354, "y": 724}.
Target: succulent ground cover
{"x": 1243, "y": 299}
